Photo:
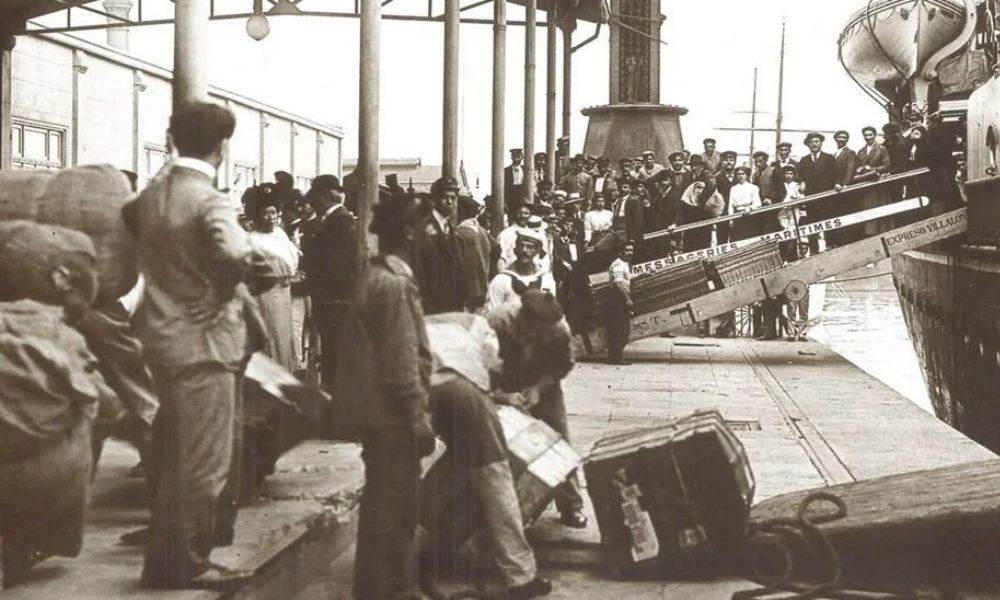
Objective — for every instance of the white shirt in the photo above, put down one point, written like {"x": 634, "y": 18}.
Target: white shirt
{"x": 508, "y": 239}
{"x": 596, "y": 220}
{"x": 196, "y": 164}
{"x": 621, "y": 272}
{"x": 442, "y": 221}
{"x": 744, "y": 197}
{"x": 501, "y": 289}
{"x": 517, "y": 174}
{"x": 275, "y": 244}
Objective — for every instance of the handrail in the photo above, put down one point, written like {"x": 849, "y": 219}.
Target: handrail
{"x": 790, "y": 203}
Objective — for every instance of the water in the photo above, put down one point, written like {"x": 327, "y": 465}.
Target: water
{"x": 867, "y": 328}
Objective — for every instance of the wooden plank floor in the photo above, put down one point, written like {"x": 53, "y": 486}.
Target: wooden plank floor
{"x": 807, "y": 417}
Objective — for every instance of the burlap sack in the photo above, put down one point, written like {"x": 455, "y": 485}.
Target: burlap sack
{"x": 29, "y": 252}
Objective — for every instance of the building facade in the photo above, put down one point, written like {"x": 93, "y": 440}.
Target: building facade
{"x": 75, "y": 102}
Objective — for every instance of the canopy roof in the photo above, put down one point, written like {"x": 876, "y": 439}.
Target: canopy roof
{"x": 30, "y": 9}
{"x": 589, "y": 10}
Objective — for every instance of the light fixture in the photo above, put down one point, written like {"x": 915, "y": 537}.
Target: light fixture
{"x": 257, "y": 25}
{"x": 284, "y": 7}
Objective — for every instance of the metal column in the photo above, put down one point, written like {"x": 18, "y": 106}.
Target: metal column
{"x": 6, "y": 104}
{"x": 368, "y": 102}
{"x": 449, "y": 152}
{"x": 190, "y": 51}
{"x": 567, "y": 111}
{"x": 550, "y": 96}
{"x": 499, "y": 89}
{"x": 529, "y": 100}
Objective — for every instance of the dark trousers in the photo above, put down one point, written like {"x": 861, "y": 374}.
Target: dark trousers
{"x": 551, "y": 410}
{"x": 618, "y": 326}
{"x": 196, "y": 448}
{"x": 329, "y": 318}
{"x": 386, "y": 555}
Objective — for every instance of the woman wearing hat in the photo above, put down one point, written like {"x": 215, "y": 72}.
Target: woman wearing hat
{"x": 276, "y": 303}
{"x": 743, "y": 198}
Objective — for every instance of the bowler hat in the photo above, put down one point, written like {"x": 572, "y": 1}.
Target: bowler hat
{"x": 696, "y": 159}
{"x": 814, "y": 135}
{"x": 326, "y": 182}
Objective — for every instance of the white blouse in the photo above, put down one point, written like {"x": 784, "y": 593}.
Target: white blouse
{"x": 744, "y": 197}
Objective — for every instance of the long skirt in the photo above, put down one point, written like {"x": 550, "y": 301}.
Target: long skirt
{"x": 276, "y": 310}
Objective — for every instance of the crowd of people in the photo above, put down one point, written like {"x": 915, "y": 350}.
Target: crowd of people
{"x": 214, "y": 289}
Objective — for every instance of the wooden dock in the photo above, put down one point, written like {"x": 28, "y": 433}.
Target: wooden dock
{"x": 806, "y": 416}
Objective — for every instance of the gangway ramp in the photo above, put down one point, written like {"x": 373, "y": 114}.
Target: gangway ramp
{"x": 790, "y": 279}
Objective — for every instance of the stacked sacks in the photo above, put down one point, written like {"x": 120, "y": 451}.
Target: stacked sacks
{"x": 49, "y": 392}
{"x": 87, "y": 199}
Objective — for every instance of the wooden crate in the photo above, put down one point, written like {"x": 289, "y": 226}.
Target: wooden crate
{"x": 540, "y": 459}
{"x": 751, "y": 262}
{"x": 670, "y": 500}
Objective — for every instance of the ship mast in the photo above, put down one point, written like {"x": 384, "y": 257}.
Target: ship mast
{"x": 781, "y": 86}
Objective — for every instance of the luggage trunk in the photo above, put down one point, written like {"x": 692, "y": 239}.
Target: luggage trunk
{"x": 672, "y": 500}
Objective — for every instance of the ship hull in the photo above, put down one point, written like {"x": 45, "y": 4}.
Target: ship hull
{"x": 951, "y": 304}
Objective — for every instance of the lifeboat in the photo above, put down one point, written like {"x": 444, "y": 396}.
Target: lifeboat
{"x": 892, "y": 40}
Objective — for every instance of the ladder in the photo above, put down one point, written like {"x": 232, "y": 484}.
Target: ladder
{"x": 789, "y": 281}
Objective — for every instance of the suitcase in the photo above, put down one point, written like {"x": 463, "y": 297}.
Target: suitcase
{"x": 671, "y": 500}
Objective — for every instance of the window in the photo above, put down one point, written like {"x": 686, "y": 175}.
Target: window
{"x": 154, "y": 157}
{"x": 302, "y": 183}
{"x": 37, "y": 145}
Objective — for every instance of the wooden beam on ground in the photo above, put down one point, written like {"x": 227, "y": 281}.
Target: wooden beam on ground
{"x": 810, "y": 270}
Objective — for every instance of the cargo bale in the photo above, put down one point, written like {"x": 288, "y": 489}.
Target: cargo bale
{"x": 90, "y": 199}
{"x": 20, "y": 191}
{"x": 29, "y": 252}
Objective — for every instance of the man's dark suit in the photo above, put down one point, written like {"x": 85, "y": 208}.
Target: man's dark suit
{"x": 631, "y": 224}
{"x": 438, "y": 267}
{"x": 513, "y": 193}
{"x": 328, "y": 257}
{"x": 819, "y": 175}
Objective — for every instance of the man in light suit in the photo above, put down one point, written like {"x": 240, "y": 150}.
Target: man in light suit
{"x": 513, "y": 181}
{"x": 194, "y": 257}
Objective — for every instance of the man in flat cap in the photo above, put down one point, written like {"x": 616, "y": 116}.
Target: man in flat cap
{"x": 713, "y": 160}
{"x": 383, "y": 382}
{"x": 478, "y": 249}
{"x": 725, "y": 179}
{"x": 898, "y": 147}
{"x": 577, "y": 180}
{"x": 847, "y": 160}
{"x": 329, "y": 247}
{"x": 513, "y": 181}
{"x": 524, "y": 274}
{"x": 438, "y": 261}
{"x": 783, "y": 158}
{"x": 768, "y": 179}
{"x": 666, "y": 189}
{"x": 562, "y": 157}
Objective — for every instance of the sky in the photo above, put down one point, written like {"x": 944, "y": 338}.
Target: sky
{"x": 309, "y": 66}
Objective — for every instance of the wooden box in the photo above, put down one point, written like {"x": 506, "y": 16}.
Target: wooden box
{"x": 671, "y": 500}
{"x": 651, "y": 292}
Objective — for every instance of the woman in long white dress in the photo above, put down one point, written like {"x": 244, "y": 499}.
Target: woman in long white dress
{"x": 744, "y": 197}
{"x": 276, "y": 303}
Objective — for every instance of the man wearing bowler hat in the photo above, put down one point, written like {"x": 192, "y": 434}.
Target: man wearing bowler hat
{"x": 725, "y": 179}
{"x": 818, "y": 173}
{"x": 328, "y": 258}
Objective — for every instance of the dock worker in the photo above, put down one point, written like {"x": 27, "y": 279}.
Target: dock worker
{"x": 194, "y": 257}
{"x": 534, "y": 346}
{"x": 328, "y": 259}
{"x": 620, "y": 307}
{"x": 438, "y": 261}
{"x": 382, "y": 385}
{"x": 712, "y": 159}
{"x": 525, "y": 273}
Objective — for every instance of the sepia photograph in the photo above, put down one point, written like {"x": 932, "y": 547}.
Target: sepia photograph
{"x": 499, "y": 299}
